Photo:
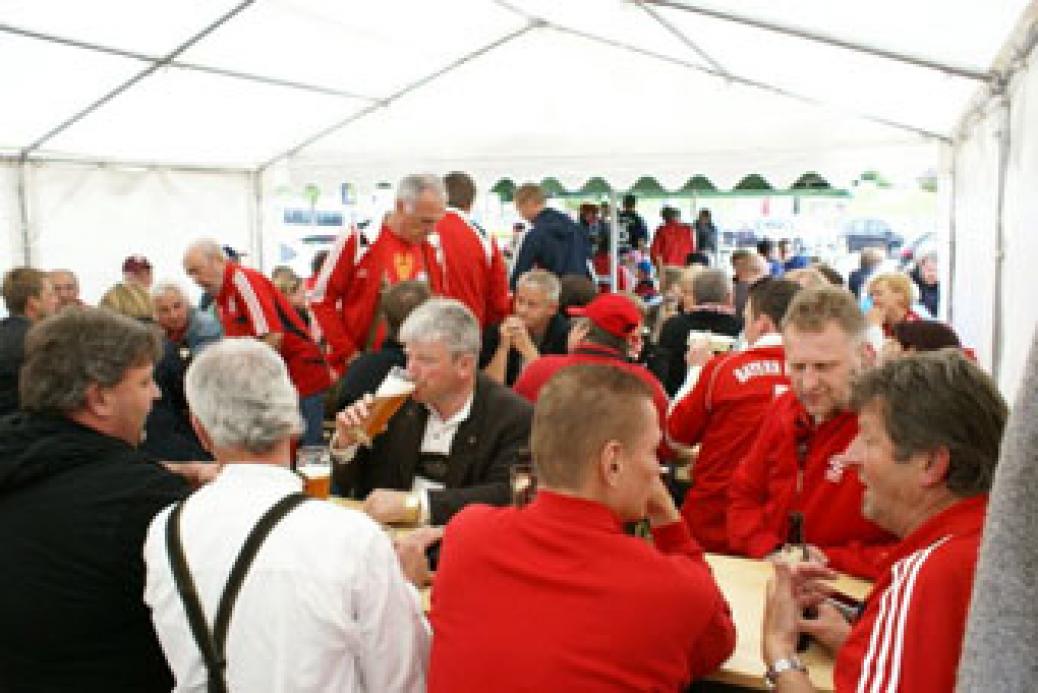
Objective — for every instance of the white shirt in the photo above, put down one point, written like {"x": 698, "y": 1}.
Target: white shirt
{"x": 324, "y": 606}
{"x": 437, "y": 439}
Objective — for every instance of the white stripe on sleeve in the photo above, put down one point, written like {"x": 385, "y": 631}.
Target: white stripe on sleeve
{"x": 252, "y": 303}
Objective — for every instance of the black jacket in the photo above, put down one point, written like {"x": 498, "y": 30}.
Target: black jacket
{"x": 669, "y": 365}
{"x": 485, "y": 446}
{"x": 74, "y": 509}
{"x": 555, "y": 243}
{"x": 12, "y": 354}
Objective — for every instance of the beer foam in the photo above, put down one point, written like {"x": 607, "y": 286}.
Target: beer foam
{"x": 394, "y": 386}
{"x": 315, "y": 471}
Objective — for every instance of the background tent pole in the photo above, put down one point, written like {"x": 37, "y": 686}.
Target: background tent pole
{"x": 23, "y": 210}
{"x": 614, "y": 240}
{"x": 256, "y": 210}
{"x": 997, "y": 322}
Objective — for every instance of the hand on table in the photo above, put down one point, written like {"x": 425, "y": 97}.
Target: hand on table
{"x": 410, "y": 551}
{"x": 387, "y": 506}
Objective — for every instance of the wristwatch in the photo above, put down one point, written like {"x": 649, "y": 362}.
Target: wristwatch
{"x": 780, "y": 667}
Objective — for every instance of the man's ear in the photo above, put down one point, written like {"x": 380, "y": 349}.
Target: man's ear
{"x": 97, "y": 401}
{"x": 610, "y": 463}
{"x": 935, "y": 469}
{"x": 203, "y": 435}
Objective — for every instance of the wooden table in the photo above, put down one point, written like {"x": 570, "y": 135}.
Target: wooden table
{"x": 743, "y": 582}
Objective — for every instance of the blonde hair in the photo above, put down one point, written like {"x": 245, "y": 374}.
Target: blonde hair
{"x": 529, "y": 192}
{"x": 131, "y": 300}
{"x": 812, "y": 309}
{"x": 896, "y": 283}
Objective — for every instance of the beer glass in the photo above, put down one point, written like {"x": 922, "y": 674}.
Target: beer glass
{"x": 315, "y": 466}
{"x": 391, "y": 394}
{"x": 719, "y": 343}
{"x": 523, "y": 482}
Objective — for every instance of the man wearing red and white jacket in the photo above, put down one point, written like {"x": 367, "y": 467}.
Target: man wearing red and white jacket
{"x": 249, "y": 305}
{"x": 554, "y": 596}
{"x": 724, "y": 410}
{"x": 474, "y": 268}
{"x": 927, "y": 470}
{"x": 673, "y": 241}
{"x": 796, "y": 463}
{"x": 346, "y": 294}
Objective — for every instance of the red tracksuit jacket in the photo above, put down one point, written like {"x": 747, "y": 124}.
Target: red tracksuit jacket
{"x": 474, "y": 268}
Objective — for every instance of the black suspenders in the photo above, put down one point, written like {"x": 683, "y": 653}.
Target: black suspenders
{"x": 211, "y": 643}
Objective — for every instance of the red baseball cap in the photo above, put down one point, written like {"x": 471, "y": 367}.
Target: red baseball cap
{"x": 136, "y": 263}
{"x": 615, "y": 313}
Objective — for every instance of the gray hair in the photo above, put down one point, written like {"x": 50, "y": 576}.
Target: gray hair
{"x": 208, "y": 247}
{"x": 445, "y": 320}
{"x": 74, "y": 349}
{"x": 162, "y": 287}
{"x": 711, "y": 286}
{"x": 239, "y": 391}
{"x": 412, "y": 186}
{"x": 542, "y": 280}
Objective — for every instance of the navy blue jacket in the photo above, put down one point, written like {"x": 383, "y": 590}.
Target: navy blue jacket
{"x": 555, "y": 243}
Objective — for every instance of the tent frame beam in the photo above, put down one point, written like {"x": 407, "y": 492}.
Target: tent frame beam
{"x": 964, "y": 72}
{"x": 117, "y": 163}
{"x": 196, "y": 67}
{"x": 680, "y": 35}
{"x": 151, "y": 69}
{"x": 400, "y": 93}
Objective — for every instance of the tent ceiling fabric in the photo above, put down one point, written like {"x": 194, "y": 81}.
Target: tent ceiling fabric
{"x": 551, "y": 101}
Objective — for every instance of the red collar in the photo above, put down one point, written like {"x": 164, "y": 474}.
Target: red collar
{"x": 964, "y": 517}
{"x": 572, "y": 510}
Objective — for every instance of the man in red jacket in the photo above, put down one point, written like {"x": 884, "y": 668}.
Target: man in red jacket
{"x": 930, "y": 427}
{"x": 345, "y": 296}
{"x": 249, "y": 305}
{"x": 474, "y": 268}
{"x": 554, "y": 596}
{"x": 672, "y": 242}
{"x": 723, "y": 412}
{"x": 796, "y": 464}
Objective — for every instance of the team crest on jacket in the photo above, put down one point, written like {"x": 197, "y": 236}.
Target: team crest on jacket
{"x": 834, "y": 472}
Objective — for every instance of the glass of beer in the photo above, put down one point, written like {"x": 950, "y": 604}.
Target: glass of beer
{"x": 390, "y": 396}
{"x": 523, "y": 482}
{"x": 315, "y": 466}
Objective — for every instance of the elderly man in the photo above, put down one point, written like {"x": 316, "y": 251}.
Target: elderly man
{"x": 452, "y": 443}
{"x": 324, "y": 606}
{"x": 345, "y": 296}
{"x": 796, "y": 464}
{"x": 930, "y": 428}
{"x": 66, "y": 288}
{"x": 536, "y": 328}
{"x": 183, "y": 324}
{"x": 724, "y": 410}
{"x": 706, "y": 303}
{"x": 76, "y": 497}
{"x": 29, "y": 298}
{"x": 250, "y": 306}
{"x": 555, "y": 596}
{"x": 554, "y": 242}
{"x": 474, "y": 266}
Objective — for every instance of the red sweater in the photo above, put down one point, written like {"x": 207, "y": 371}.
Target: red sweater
{"x": 672, "y": 243}
{"x": 347, "y": 290}
{"x": 474, "y": 268}
{"x": 539, "y": 372}
{"x": 910, "y": 635}
{"x": 723, "y": 413}
{"x": 249, "y": 305}
{"x": 554, "y": 597}
{"x": 763, "y": 491}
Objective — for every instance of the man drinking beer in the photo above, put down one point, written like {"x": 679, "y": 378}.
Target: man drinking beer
{"x": 451, "y": 443}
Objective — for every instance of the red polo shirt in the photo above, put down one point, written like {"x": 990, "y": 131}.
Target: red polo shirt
{"x": 249, "y": 305}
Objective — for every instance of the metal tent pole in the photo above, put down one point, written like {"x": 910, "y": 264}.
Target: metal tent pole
{"x": 23, "y": 211}
{"x": 997, "y": 321}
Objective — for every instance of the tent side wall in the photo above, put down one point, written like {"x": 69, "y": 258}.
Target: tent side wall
{"x": 88, "y": 218}
{"x": 976, "y": 209}
{"x": 10, "y": 218}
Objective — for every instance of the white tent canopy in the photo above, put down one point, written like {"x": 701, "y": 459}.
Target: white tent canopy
{"x": 133, "y": 127}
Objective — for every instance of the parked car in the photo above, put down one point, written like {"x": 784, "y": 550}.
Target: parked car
{"x": 870, "y": 233}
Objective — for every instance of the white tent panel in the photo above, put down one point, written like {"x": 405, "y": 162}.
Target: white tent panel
{"x": 183, "y": 117}
{"x": 1020, "y": 310}
{"x": 10, "y": 219}
{"x": 152, "y": 28}
{"x": 45, "y": 83}
{"x": 89, "y": 218}
{"x": 368, "y": 48}
{"x": 480, "y": 119}
{"x": 964, "y": 33}
{"x": 858, "y": 82}
{"x": 976, "y": 212}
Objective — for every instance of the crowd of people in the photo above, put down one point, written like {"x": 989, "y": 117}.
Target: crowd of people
{"x": 147, "y": 491}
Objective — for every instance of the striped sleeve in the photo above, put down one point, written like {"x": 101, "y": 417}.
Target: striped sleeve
{"x": 261, "y": 313}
